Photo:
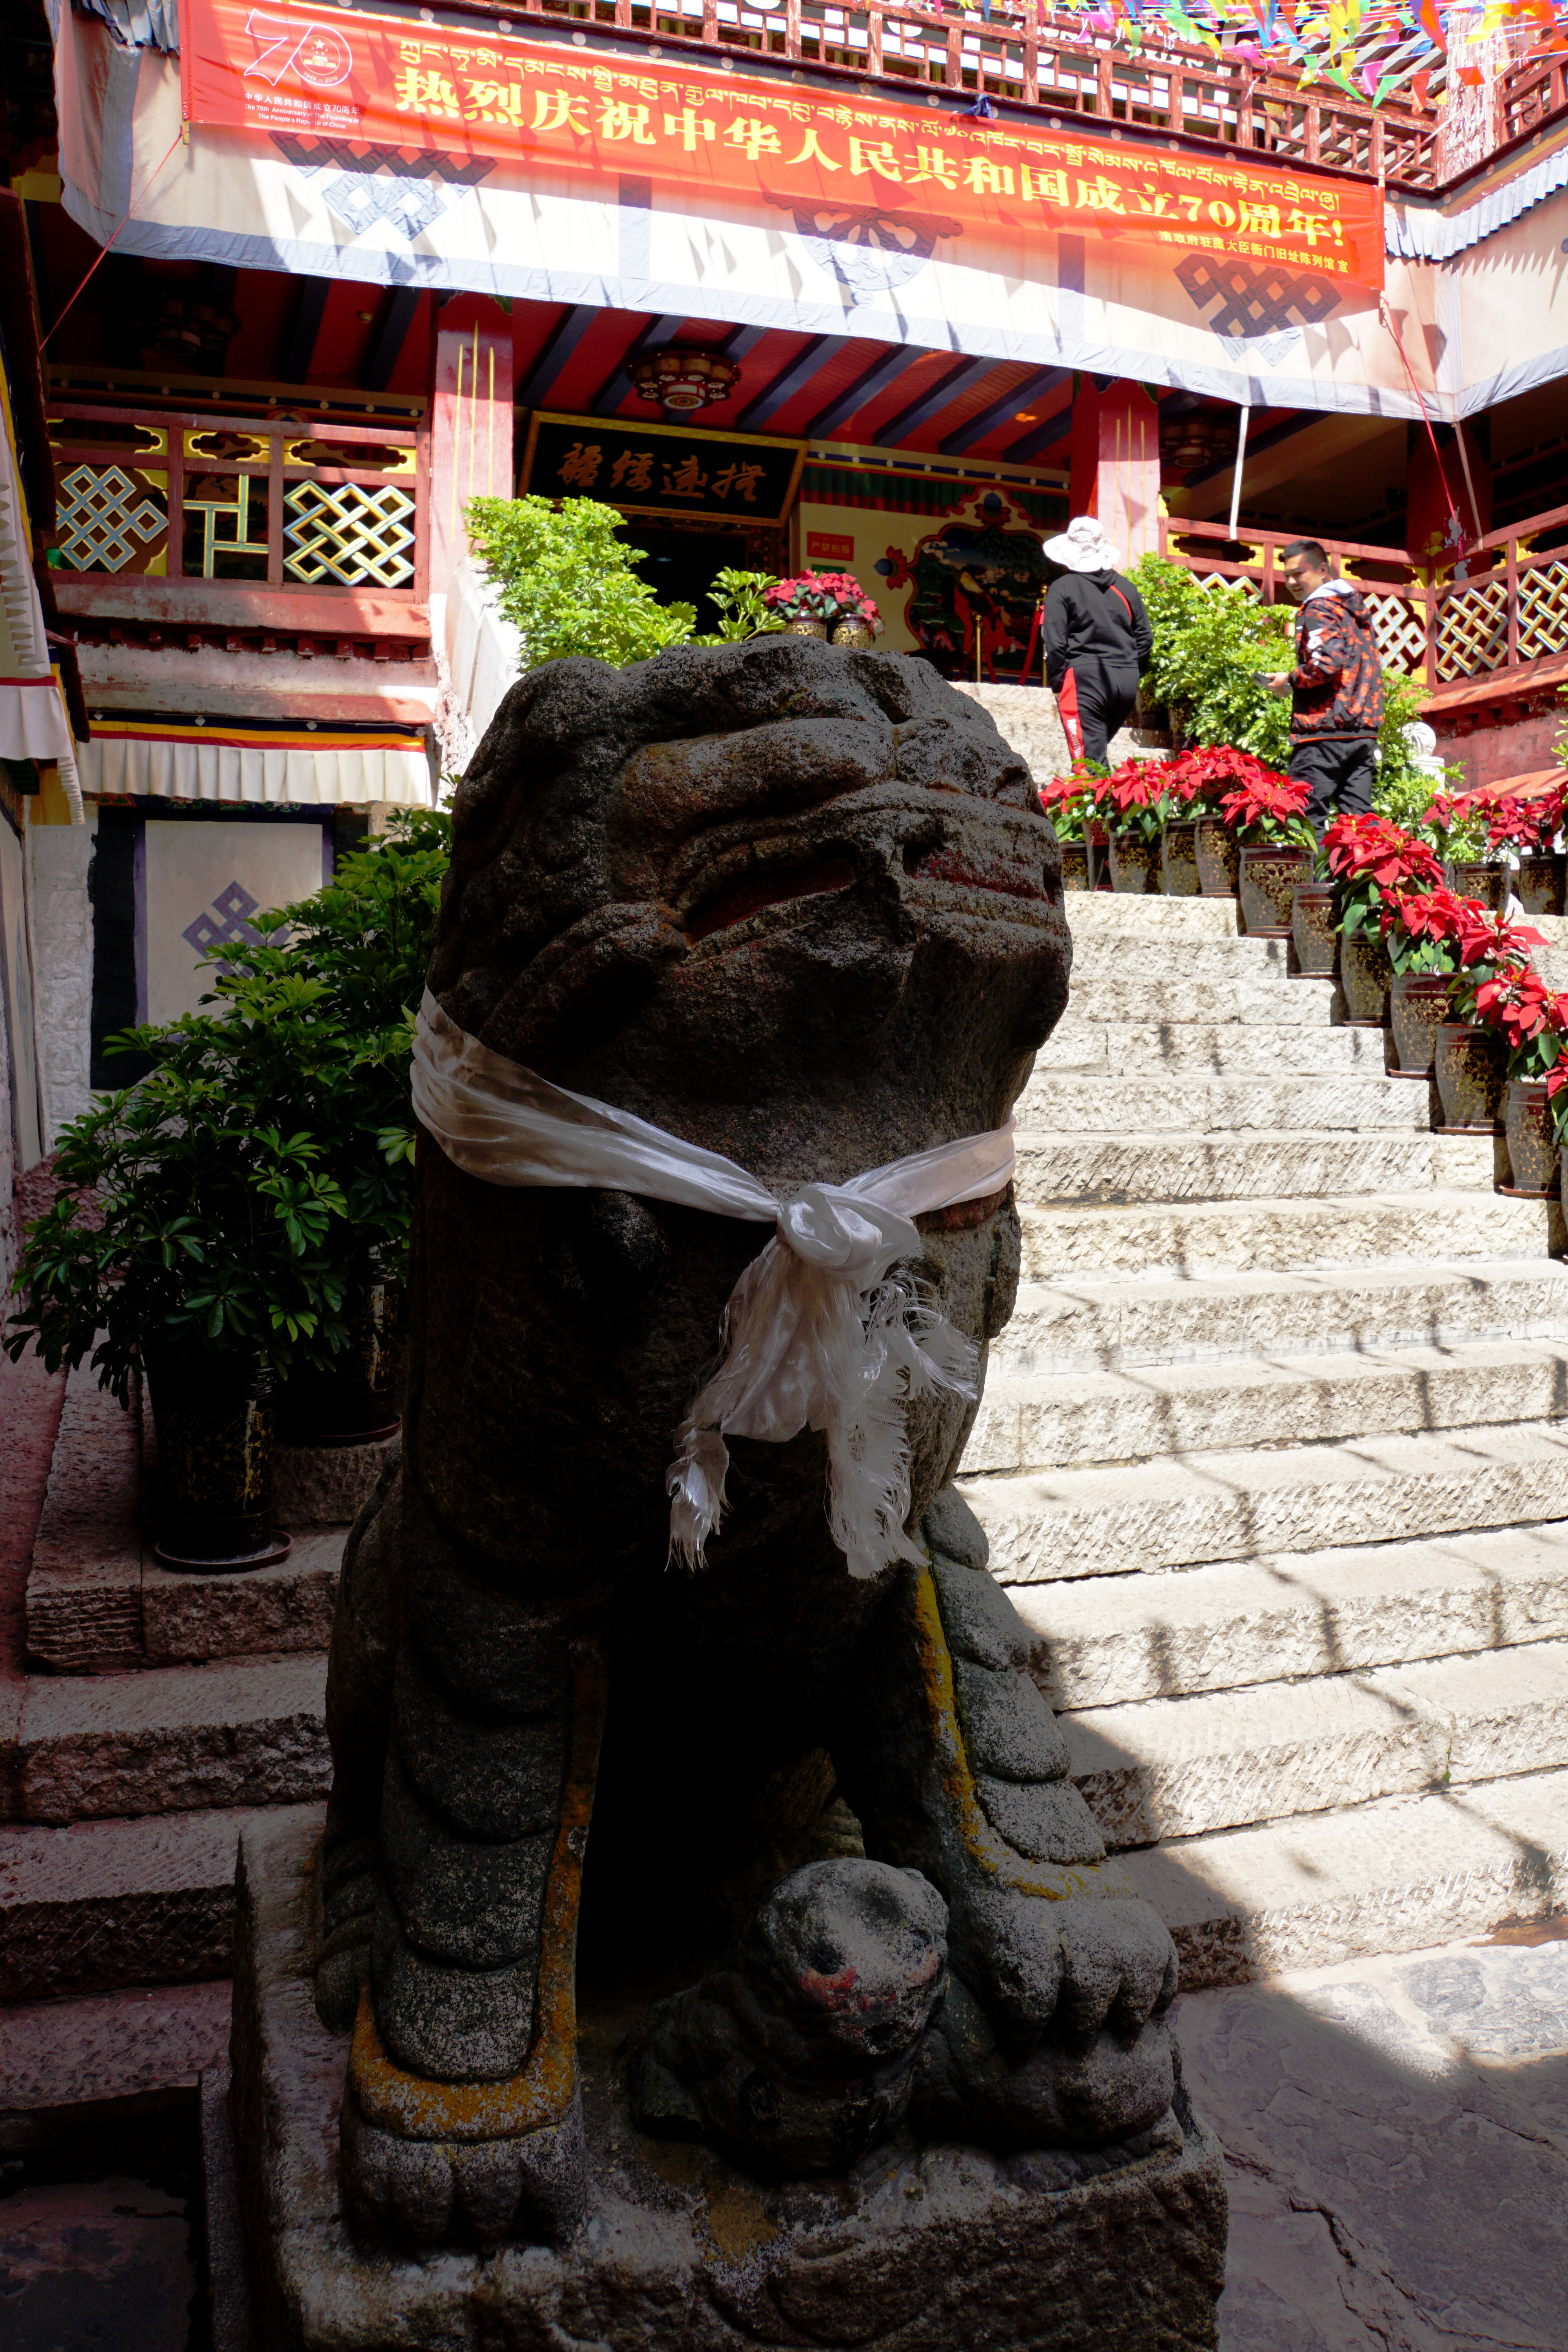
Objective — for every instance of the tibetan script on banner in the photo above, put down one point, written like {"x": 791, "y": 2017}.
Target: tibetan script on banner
{"x": 655, "y": 470}
{"x": 395, "y": 82}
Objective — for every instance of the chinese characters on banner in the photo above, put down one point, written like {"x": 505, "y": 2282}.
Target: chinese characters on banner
{"x": 661, "y": 468}
{"x": 393, "y": 82}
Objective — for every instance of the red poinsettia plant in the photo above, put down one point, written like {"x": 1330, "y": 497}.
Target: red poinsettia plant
{"x": 1200, "y": 778}
{"x": 830, "y": 597}
{"x": 1269, "y": 812}
{"x": 1454, "y": 828}
{"x": 1437, "y": 931}
{"x": 1532, "y": 1018}
{"x": 1369, "y": 857}
{"x": 1135, "y": 798}
{"x": 1069, "y": 802}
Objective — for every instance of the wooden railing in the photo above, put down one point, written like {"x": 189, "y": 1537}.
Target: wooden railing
{"x": 1049, "y": 59}
{"x": 1528, "y": 98}
{"x": 1507, "y": 617}
{"x": 236, "y": 508}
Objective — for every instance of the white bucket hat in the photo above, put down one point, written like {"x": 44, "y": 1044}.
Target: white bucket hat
{"x": 1083, "y": 547}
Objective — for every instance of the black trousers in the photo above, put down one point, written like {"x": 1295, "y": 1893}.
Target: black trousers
{"x": 1105, "y": 700}
{"x": 1339, "y": 773}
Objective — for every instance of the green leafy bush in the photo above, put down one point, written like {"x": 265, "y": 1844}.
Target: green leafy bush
{"x": 229, "y": 1201}
{"x": 1211, "y": 646}
{"x": 566, "y": 580}
{"x": 738, "y": 598}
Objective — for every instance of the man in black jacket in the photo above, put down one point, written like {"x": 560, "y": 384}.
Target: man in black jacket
{"x": 1336, "y": 688}
{"x": 1097, "y": 639}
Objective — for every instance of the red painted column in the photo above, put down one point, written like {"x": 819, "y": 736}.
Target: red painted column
{"x": 1428, "y": 536}
{"x": 471, "y": 423}
{"x": 1115, "y": 471}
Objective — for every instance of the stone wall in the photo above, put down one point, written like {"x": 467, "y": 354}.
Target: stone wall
{"x": 58, "y": 857}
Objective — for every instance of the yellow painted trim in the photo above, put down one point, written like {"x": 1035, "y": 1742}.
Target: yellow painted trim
{"x": 1056, "y": 1880}
{"x": 415, "y": 2107}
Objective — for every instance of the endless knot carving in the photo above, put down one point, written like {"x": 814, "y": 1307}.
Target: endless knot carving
{"x": 1472, "y": 630}
{"x": 226, "y": 923}
{"x": 353, "y": 533}
{"x": 1255, "y": 299}
{"x": 1543, "y": 610}
{"x": 106, "y": 519}
{"x": 1400, "y": 632}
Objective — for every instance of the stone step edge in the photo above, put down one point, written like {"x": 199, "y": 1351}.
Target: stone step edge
{"x": 1313, "y": 1891}
{"x": 102, "y": 1905}
{"x": 1454, "y": 1613}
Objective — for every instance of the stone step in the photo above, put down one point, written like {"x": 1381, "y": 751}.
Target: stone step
{"x": 105, "y": 1613}
{"x": 1169, "y": 964}
{"x": 67, "y": 2065}
{"x": 103, "y": 1903}
{"x": 1087, "y": 1326}
{"x": 171, "y": 1739}
{"x": 1246, "y": 1503}
{"x": 1265, "y": 994}
{"x": 1275, "y": 1234}
{"x": 1140, "y": 1169}
{"x": 1393, "y": 1875}
{"x": 1099, "y": 913}
{"x": 1177, "y": 1768}
{"x": 1109, "y": 1641}
{"x": 1133, "y": 1049}
{"x": 1182, "y": 1102}
{"x": 1055, "y": 1419}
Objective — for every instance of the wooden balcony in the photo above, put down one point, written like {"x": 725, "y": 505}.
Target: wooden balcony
{"x": 183, "y": 524}
{"x": 1037, "y": 56}
{"x": 1503, "y": 627}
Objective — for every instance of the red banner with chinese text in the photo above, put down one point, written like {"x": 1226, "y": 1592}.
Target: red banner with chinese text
{"x": 389, "y": 83}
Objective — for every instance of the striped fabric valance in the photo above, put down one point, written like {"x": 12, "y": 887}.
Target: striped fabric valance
{"x": 224, "y": 761}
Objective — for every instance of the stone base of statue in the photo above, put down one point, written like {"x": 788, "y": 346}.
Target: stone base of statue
{"x": 940, "y": 2246}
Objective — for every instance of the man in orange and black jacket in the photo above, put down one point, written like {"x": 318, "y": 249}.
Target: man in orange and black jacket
{"x": 1336, "y": 688}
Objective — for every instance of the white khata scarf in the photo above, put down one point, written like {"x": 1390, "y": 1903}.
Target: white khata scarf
{"x": 816, "y": 1335}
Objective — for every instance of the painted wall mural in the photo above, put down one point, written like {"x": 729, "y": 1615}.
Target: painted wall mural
{"x": 972, "y": 588}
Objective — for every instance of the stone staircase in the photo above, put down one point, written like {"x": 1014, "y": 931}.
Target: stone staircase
{"x": 157, "y": 1712}
{"x": 1274, "y": 1457}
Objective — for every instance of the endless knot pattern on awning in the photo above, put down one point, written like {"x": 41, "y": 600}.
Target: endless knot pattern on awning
{"x": 1255, "y": 298}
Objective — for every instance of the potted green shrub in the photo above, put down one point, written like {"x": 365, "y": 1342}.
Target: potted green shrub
{"x": 363, "y": 941}
{"x": 1267, "y": 813}
{"x": 190, "y": 1238}
{"x": 1471, "y": 1055}
{"x": 1368, "y": 858}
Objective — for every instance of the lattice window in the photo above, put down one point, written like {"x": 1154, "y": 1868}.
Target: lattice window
{"x": 1472, "y": 630}
{"x": 108, "y": 520}
{"x": 1210, "y": 581}
{"x": 1401, "y": 632}
{"x": 1543, "y": 610}
{"x": 354, "y": 533}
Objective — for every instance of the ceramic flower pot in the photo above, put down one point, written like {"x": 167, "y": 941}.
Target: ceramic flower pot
{"x": 1314, "y": 927}
{"x": 1479, "y": 878}
{"x": 1077, "y": 865}
{"x": 1179, "y": 859}
{"x": 803, "y": 628}
{"x": 1098, "y": 858}
{"x": 851, "y": 633}
{"x": 1365, "y": 975}
{"x": 1134, "y": 863}
{"x": 216, "y": 1420}
{"x": 1472, "y": 1072}
{"x": 1419, "y": 1002}
{"x": 1540, "y": 883}
{"x": 1531, "y": 1153}
{"x": 1220, "y": 863}
{"x": 361, "y": 1399}
{"x": 1269, "y": 878}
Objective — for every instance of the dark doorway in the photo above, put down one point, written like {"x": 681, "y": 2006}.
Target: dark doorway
{"x": 679, "y": 565}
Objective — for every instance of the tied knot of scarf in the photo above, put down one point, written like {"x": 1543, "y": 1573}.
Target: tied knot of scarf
{"x": 828, "y": 1328}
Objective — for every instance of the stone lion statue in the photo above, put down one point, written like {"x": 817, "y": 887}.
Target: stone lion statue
{"x": 798, "y": 908}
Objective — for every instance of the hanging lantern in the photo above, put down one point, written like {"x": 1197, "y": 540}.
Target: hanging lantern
{"x": 679, "y": 379}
